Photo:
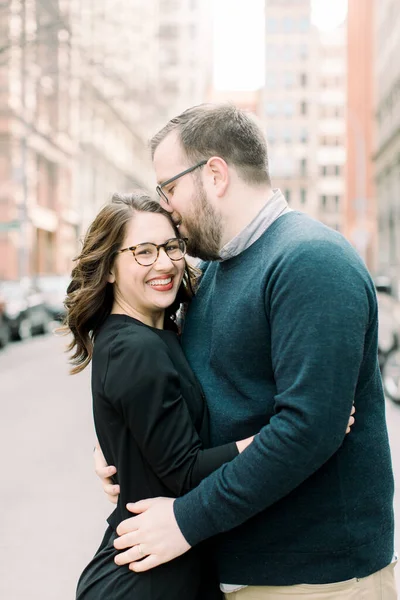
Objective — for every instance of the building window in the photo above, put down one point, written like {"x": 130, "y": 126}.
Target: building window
{"x": 288, "y": 24}
{"x": 270, "y": 108}
{"x": 304, "y": 24}
{"x": 303, "y": 108}
{"x": 287, "y": 195}
{"x": 169, "y": 31}
{"x": 304, "y": 136}
{"x": 337, "y": 203}
{"x": 287, "y": 136}
{"x": 288, "y": 79}
{"x": 324, "y": 170}
{"x": 337, "y": 170}
{"x": 303, "y": 167}
{"x": 303, "y": 196}
{"x": 272, "y": 25}
{"x": 323, "y": 200}
{"x": 288, "y": 109}
{"x": 303, "y": 79}
{"x": 303, "y": 51}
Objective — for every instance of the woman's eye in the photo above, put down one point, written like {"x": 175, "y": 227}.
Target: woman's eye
{"x": 143, "y": 251}
{"x": 171, "y": 191}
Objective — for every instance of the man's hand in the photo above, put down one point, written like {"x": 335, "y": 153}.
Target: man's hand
{"x": 153, "y": 534}
{"x": 105, "y": 473}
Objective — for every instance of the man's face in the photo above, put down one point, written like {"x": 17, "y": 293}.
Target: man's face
{"x": 188, "y": 203}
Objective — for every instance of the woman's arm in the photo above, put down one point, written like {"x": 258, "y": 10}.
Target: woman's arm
{"x": 144, "y": 386}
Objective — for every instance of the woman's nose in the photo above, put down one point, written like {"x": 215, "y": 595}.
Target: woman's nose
{"x": 163, "y": 259}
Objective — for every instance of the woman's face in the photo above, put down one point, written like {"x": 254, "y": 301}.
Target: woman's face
{"x": 144, "y": 292}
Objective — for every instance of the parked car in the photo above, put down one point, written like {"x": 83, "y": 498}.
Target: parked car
{"x": 4, "y": 328}
{"x": 25, "y": 310}
{"x": 389, "y": 338}
{"x": 54, "y": 290}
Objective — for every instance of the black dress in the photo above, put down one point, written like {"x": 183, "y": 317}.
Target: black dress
{"x": 152, "y": 424}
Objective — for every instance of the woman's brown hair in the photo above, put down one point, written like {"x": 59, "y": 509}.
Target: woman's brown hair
{"x": 90, "y": 296}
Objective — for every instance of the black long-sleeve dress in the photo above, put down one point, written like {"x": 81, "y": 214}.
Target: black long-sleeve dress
{"x": 152, "y": 424}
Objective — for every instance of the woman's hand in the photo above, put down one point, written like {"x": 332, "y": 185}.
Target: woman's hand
{"x": 105, "y": 472}
{"x": 242, "y": 444}
{"x": 351, "y": 420}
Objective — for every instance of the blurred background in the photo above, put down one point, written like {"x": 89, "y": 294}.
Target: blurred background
{"x": 83, "y": 86}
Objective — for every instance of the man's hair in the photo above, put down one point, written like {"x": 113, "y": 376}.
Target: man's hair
{"x": 221, "y": 130}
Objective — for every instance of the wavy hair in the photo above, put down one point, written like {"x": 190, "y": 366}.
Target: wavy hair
{"x": 90, "y": 296}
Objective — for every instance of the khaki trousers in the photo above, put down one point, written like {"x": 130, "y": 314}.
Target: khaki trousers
{"x": 378, "y": 586}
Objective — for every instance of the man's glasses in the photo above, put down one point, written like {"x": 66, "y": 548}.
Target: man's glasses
{"x": 159, "y": 190}
{"x": 147, "y": 253}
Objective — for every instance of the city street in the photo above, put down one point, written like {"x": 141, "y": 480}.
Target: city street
{"x": 54, "y": 512}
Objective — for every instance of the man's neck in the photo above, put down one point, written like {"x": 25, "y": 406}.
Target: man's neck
{"x": 243, "y": 210}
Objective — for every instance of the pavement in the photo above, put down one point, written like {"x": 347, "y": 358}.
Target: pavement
{"x": 53, "y": 515}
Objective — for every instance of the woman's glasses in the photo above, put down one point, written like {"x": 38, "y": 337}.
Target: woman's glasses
{"x": 147, "y": 253}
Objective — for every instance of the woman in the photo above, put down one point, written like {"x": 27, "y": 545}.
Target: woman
{"x": 149, "y": 410}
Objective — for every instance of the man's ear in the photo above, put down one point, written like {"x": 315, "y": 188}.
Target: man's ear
{"x": 220, "y": 172}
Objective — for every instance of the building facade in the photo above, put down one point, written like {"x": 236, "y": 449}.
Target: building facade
{"x": 303, "y": 109}
{"x": 83, "y": 85}
{"x": 387, "y": 146}
{"x": 360, "y": 199}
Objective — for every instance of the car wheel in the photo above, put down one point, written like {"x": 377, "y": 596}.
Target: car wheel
{"x": 25, "y": 329}
{"x": 391, "y": 376}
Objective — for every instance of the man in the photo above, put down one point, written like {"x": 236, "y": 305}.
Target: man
{"x": 282, "y": 335}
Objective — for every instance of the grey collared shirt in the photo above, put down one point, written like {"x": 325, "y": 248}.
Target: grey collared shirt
{"x": 272, "y": 210}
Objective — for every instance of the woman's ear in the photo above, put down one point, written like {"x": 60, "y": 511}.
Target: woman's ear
{"x": 111, "y": 277}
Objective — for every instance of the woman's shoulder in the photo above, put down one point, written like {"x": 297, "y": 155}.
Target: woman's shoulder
{"x": 125, "y": 335}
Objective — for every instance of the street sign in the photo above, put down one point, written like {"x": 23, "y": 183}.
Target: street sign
{"x": 10, "y": 226}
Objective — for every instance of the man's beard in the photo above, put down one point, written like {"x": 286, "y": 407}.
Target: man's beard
{"x": 204, "y": 228}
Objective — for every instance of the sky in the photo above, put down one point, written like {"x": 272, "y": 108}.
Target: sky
{"x": 239, "y": 39}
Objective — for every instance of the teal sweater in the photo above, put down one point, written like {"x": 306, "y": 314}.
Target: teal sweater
{"x": 283, "y": 338}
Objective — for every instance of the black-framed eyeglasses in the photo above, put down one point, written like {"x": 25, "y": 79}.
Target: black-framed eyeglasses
{"x": 147, "y": 253}
{"x": 189, "y": 170}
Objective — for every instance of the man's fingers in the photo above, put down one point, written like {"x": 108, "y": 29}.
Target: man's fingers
{"x": 126, "y": 541}
{"x": 127, "y": 526}
{"x": 131, "y": 555}
{"x": 141, "y": 506}
{"x": 144, "y": 565}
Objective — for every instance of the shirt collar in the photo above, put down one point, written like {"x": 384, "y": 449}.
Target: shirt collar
{"x": 272, "y": 210}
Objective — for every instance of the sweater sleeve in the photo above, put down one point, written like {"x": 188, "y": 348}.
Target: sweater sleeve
{"x": 144, "y": 386}
{"x": 319, "y": 311}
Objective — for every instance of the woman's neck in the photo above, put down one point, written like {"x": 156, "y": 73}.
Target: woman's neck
{"x": 155, "y": 319}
